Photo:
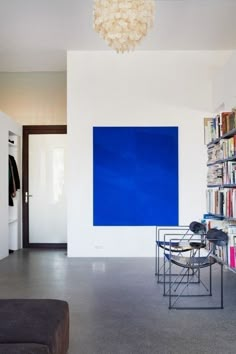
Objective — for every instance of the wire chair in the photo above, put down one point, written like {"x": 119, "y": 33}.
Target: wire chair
{"x": 178, "y": 246}
{"x": 191, "y": 267}
{"x": 160, "y": 242}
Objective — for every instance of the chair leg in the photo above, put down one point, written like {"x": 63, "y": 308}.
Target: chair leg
{"x": 157, "y": 259}
{"x": 222, "y": 287}
{"x": 210, "y": 280}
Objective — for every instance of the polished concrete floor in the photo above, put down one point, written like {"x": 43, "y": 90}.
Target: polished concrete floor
{"x": 116, "y": 306}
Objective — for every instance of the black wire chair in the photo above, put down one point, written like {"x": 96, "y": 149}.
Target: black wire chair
{"x": 162, "y": 243}
{"x": 179, "y": 246}
{"x": 191, "y": 266}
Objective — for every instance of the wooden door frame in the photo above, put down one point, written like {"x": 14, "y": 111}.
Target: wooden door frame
{"x": 29, "y": 130}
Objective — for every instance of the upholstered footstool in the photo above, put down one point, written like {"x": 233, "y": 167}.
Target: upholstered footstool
{"x": 34, "y": 326}
{"x": 23, "y": 348}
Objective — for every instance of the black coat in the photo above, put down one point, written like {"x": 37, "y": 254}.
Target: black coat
{"x": 14, "y": 179}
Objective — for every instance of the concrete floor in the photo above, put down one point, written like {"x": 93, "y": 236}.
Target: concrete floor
{"x": 116, "y": 306}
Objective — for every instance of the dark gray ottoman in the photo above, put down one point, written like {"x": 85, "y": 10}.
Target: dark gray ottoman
{"x": 35, "y": 321}
{"x": 26, "y": 348}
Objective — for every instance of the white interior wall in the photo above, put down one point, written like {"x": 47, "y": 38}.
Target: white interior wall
{"x": 6, "y": 125}
{"x": 34, "y": 98}
{"x": 137, "y": 89}
{"x": 224, "y": 86}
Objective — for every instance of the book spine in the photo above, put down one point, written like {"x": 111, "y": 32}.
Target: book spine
{"x": 232, "y": 257}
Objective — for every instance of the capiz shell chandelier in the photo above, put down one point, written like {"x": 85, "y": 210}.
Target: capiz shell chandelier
{"x": 123, "y": 23}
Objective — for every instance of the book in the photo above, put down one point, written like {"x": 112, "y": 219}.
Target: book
{"x": 225, "y": 122}
{"x": 232, "y": 248}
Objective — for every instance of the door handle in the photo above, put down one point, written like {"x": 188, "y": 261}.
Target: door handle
{"x": 27, "y": 196}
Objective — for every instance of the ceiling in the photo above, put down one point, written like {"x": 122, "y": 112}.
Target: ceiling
{"x": 35, "y": 34}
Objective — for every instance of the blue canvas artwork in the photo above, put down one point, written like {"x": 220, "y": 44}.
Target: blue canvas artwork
{"x": 135, "y": 176}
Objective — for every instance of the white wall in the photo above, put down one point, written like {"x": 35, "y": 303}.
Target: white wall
{"x": 224, "y": 86}
{"x": 136, "y": 89}
{"x": 35, "y": 97}
{"x": 6, "y": 125}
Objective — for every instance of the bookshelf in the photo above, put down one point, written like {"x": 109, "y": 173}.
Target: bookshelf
{"x": 220, "y": 139}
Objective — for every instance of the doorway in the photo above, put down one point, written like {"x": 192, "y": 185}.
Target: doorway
{"x": 44, "y": 203}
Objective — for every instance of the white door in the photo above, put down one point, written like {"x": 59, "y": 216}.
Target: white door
{"x": 45, "y": 195}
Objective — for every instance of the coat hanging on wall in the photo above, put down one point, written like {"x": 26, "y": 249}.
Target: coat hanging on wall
{"x": 14, "y": 179}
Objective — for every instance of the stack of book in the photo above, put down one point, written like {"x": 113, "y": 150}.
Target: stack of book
{"x": 214, "y": 153}
{"x": 229, "y": 172}
{"x": 217, "y": 127}
{"x": 215, "y": 201}
{"x": 221, "y": 202}
{"x": 228, "y": 147}
{"x": 215, "y": 174}
{"x": 228, "y": 122}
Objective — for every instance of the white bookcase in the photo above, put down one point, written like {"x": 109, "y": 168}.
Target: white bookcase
{"x": 10, "y": 216}
{"x": 14, "y": 212}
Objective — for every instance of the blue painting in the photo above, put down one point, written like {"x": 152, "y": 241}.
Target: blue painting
{"x": 135, "y": 176}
